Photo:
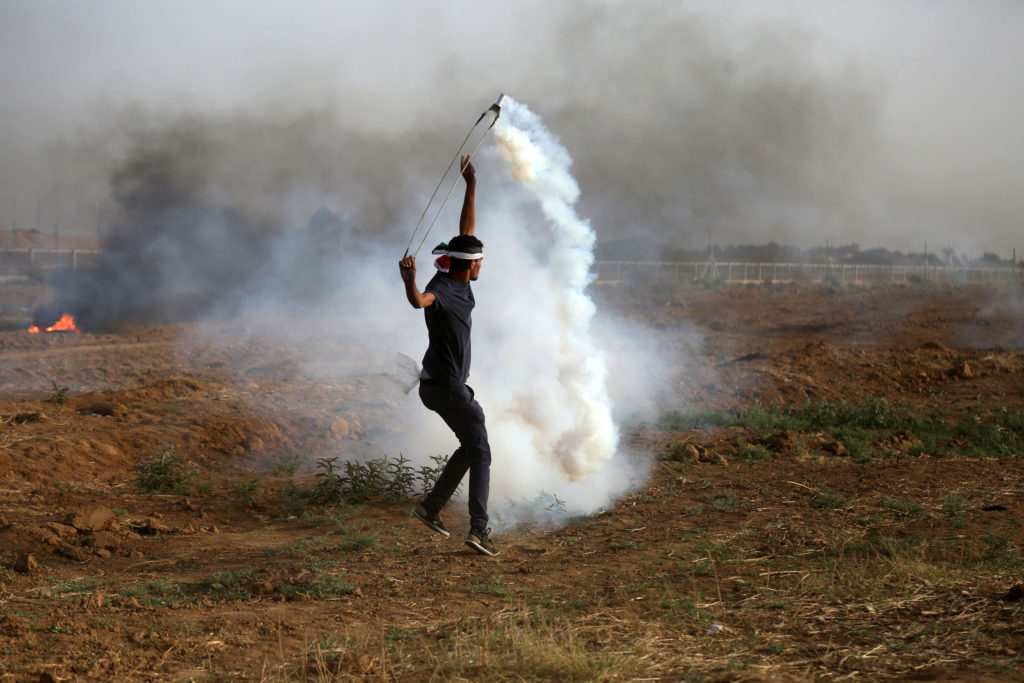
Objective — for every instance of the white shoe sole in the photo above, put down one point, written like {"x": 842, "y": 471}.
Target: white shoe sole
{"x": 437, "y": 529}
{"x": 482, "y": 550}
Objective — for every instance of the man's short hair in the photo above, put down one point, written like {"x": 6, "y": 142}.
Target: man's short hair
{"x": 463, "y": 244}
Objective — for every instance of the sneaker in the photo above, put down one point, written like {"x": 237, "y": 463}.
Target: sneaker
{"x": 481, "y": 542}
{"x": 431, "y": 520}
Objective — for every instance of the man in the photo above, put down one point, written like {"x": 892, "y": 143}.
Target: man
{"x": 448, "y": 306}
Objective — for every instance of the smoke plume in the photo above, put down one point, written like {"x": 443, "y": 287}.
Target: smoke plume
{"x": 563, "y": 401}
{"x": 790, "y": 121}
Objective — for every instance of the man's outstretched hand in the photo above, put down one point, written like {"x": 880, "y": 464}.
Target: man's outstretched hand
{"x": 468, "y": 172}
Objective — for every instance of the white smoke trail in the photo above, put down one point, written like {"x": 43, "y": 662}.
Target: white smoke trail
{"x": 571, "y": 417}
{"x": 541, "y": 377}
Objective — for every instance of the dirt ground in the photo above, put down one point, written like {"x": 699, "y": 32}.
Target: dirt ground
{"x": 808, "y": 565}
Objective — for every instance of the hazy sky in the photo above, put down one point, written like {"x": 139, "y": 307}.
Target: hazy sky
{"x": 885, "y": 123}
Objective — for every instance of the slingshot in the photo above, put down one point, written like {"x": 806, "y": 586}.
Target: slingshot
{"x": 492, "y": 114}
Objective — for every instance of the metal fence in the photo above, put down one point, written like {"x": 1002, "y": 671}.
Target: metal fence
{"x": 841, "y": 273}
{"x": 26, "y": 260}
{"x": 23, "y": 261}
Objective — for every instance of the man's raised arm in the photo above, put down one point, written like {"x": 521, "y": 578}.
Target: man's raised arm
{"x": 417, "y": 299}
{"x": 467, "y": 221}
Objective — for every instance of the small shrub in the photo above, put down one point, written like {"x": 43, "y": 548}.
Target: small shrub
{"x": 428, "y": 475}
{"x": 724, "y": 500}
{"x": 1000, "y": 552}
{"x": 544, "y": 509}
{"x": 155, "y": 593}
{"x": 316, "y": 581}
{"x": 287, "y": 465}
{"x": 678, "y": 451}
{"x": 330, "y": 483}
{"x": 904, "y": 507}
{"x": 227, "y": 584}
{"x": 857, "y": 446}
{"x": 626, "y": 545}
{"x": 699, "y": 419}
{"x": 353, "y": 539}
{"x": 245, "y": 492}
{"x": 752, "y": 453}
{"x": 59, "y": 395}
{"x": 378, "y": 479}
{"x": 293, "y": 499}
{"x": 829, "y": 499}
{"x": 494, "y": 585}
{"x": 165, "y": 471}
{"x": 954, "y": 505}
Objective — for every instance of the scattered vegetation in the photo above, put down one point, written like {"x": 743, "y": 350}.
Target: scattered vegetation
{"x": 493, "y": 585}
{"x": 829, "y": 499}
{"x": 318, "y": 578}
{"x": 543, "y": 510}
{"x": 293, "y": 498}
{"x": 380, "y": 479}
{"x": 866, "y": 428}
{"x": 165, "y": 470}
{"x": 906, "y": 508}
{"x": 245, "y": 493}
{"x": 725, "y": 500}
{"x": 752, "y": 453}
{"x": 227, "y": 584}
{"x": 59, "y": 395}
{"x": 954, "y": 505}
{"x": 353, "y": 538}
{"x": 155, "y": 592}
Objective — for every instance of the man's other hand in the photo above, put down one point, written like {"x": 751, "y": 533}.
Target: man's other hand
{"x": 407, "y": 268}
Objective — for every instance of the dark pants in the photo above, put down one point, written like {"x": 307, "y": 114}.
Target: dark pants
{"x": 465, "y": 417}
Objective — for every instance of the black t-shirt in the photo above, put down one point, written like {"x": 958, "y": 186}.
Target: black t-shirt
{"x": 449, "y": 321}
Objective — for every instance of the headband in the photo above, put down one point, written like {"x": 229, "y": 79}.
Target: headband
{"x": 444, "y": 256}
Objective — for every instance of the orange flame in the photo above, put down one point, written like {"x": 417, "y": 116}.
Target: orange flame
{"x": 65, "y": 324}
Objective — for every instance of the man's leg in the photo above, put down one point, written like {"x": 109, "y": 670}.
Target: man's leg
{"x": 448, "y": 481}
{"x": 479, "y": 537}
{"x": 465, "y": 417}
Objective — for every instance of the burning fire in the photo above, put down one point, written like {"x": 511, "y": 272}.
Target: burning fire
{"x": 65, "y": 324}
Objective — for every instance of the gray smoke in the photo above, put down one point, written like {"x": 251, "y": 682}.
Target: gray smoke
{"x": 795, "y": 122}
{"x": 209, "y": 216}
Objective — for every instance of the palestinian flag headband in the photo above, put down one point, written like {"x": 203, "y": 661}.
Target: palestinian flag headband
{"x": 445, "y": 255}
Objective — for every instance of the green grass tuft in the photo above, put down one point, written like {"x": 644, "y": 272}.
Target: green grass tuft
{"x": 165, "y": 470}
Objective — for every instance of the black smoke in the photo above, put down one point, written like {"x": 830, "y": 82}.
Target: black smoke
{"x": 175, "y": 253}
